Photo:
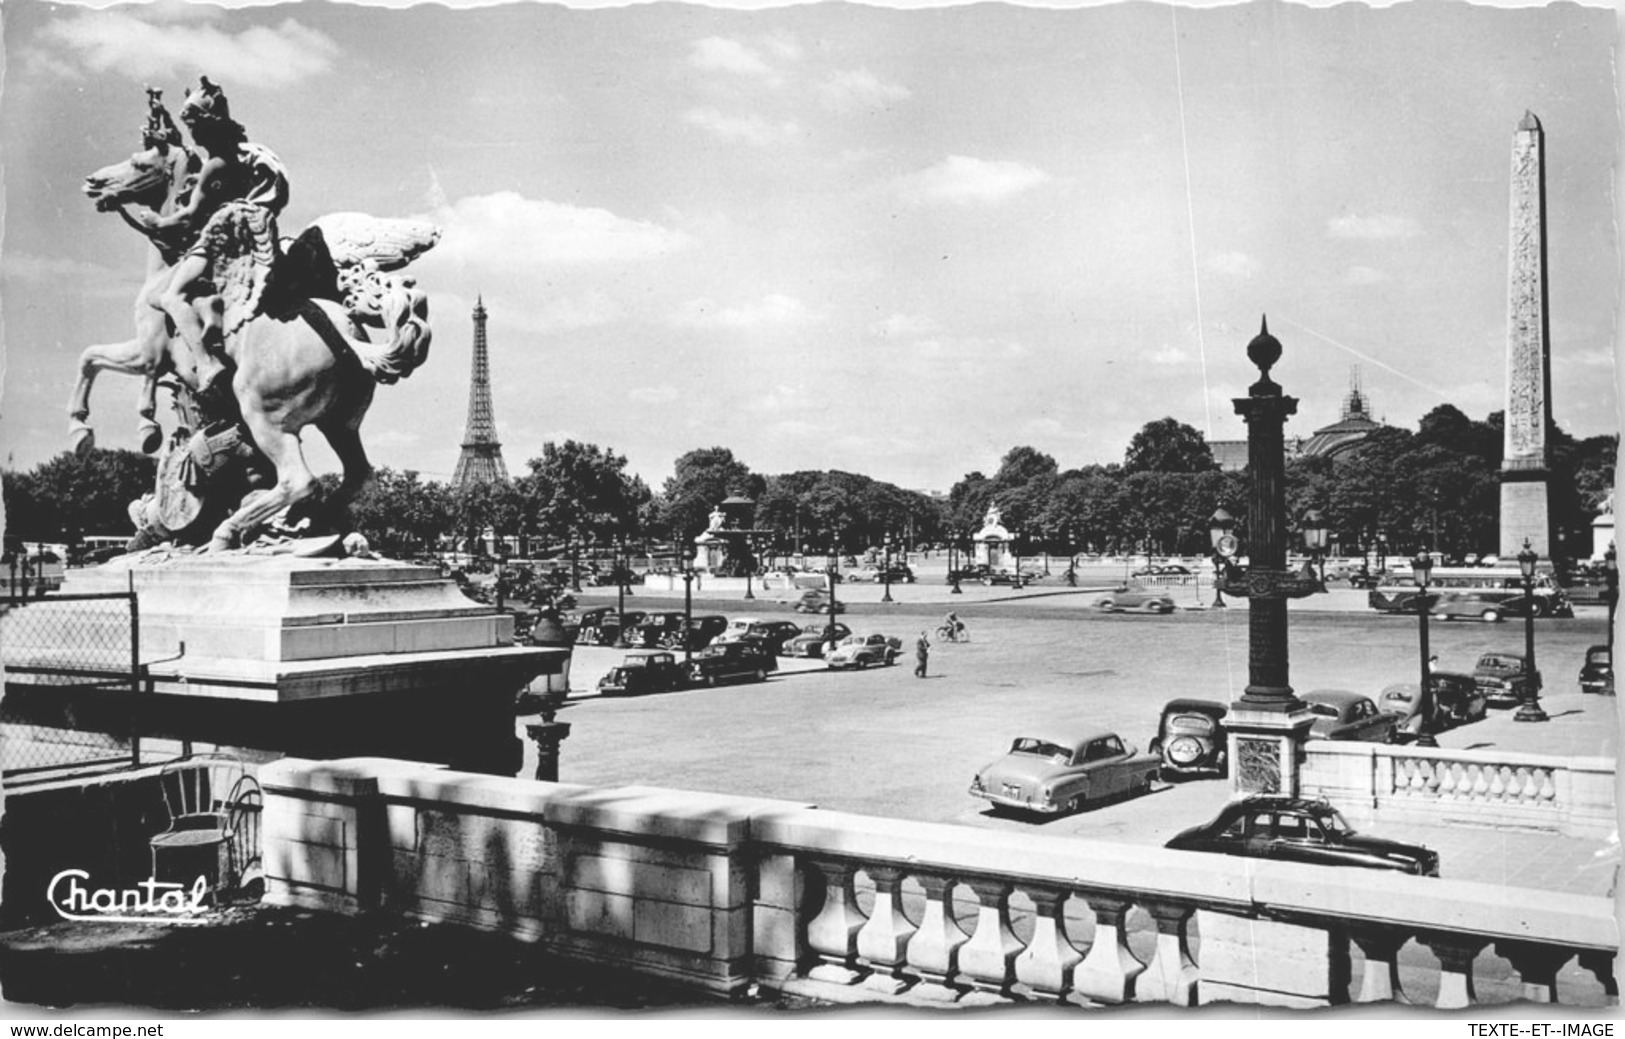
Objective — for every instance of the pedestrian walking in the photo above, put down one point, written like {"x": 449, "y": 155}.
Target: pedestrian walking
{"x": 922, "y": 654}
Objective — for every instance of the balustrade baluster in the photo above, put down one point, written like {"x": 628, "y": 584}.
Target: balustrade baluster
{"x": 987, "y": 960}
{"x": 1171, "y": 975}
{"x": 882, "y": 941}
{"x": 1381, "y": 980}
{"x": 1537, "y": 967}
{"x": 933, "y": 952}
{"x": 833, "y": 933}
{"x": 1456, "y": 954}
{"x": 1045, "y": 966}
{"x": 1481, "y": 786}
{"x": 1108, "y": 970}
{"x": 1498, "y": 784}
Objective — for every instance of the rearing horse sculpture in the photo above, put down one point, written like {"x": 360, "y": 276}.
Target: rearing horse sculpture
{"x": 307, "y": 358}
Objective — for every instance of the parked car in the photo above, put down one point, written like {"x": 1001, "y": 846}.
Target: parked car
{"x": 587, "y": 623}
{"x": 810, "y": 643}
{"x": 610, "y": 628}
{"x": 1295, "y": 829}
{"x": 1504, "y": 677}
{"x": 1136, "y": 597}
{"x": 1344, "y": 715}
{"x": 644, "y": 671}
{"x": 1162, "y": 570}
{"x": 1457, "y": 700}
{"x": 1493, "y": 606}
{"x": 992, "y": 577}
{"x": 863, "y": 573}
{"x": 700, "y": 632}
{"x": 1191, "y": 739}
{"x": 770, "y": 635}
{"x": 731, "y": 660}
{"x": 866, "y": 650}
{"x": 1597, "y": 673}
{"x": 657, "y": 629}
{"x": 1065, "y": 772}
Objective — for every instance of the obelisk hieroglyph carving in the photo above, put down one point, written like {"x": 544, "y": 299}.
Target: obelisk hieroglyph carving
{"x": 1525, "y": 505}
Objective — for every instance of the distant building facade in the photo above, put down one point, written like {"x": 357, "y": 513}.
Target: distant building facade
{"x": 1327, "y": 442}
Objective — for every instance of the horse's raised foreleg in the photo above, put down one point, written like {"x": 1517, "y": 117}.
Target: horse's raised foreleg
{"x": 294, "y": 482}
{"x": 345, "y": 439}
{"x": 130, "y": 357}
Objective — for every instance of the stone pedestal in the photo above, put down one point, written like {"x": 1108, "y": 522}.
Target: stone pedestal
{"x": 1266, "y": 749}
{"x": 1525, "y": 513}
{"x": 318, "y": 658}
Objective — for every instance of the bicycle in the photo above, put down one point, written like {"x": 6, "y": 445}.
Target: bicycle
{"x": 948, "y": 634}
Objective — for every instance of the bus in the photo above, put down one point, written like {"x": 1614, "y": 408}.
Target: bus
{"x": 1396, "y": 593}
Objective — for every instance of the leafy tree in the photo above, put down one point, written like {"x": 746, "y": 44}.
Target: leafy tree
{"x": 70, "y": 496}
{"x": 1168, "y": 446}
{"x": 701, "y": 480}
{"x": 582, "y": 490}
{"x": 401, "y": 515}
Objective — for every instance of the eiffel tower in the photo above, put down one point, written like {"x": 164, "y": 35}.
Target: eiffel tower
{"x": 481, "y": 460}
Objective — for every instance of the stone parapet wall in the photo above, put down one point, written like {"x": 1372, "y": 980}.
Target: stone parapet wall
{"x": 728, "y": 892}
{"x": 1410, "y": 784}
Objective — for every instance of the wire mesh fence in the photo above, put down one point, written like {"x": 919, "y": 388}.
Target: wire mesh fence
{"x": 82, "y": 643}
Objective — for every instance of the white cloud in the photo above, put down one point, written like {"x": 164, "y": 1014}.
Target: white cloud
{"x": 506, "y": 230}
{"x": 750, "y": 129}
{"x": 1169, "y": 355}
{"x": 774, "y": 310}
{"x": 1373, "y": 228}
{"x": 859, "y": 88}
{"x": 1235, "y": 264}
{"x": 901, "y": 326}
{"x": 115, "y": 41}
{"x": 654, "y": 394}
{"x": 721, "y": 54}
{"x": 1365, "y": 276}
{"x": 960, "y": 179}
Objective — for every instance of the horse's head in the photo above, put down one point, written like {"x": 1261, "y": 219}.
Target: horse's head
{"x": 146, "y": 177}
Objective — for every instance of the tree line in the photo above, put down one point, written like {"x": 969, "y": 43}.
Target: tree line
{"x": 1436, "y": 488}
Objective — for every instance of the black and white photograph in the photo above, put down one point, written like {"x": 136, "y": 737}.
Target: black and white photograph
{"x": 937, "y": 511}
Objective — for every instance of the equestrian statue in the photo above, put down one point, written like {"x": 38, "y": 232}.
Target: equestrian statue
{"x": 256, "y": 337}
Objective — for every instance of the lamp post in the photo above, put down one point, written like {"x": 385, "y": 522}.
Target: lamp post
{"x": 1421, "y": 567}
{"x": 1315, "y": 539}
{"x": 1529, "y": 710}
{"x": 886, "y": 567}
{"x": 1015, "y": 548}
{"x": 1610, "y": 574}
{"x": 575, "y": 561}
{"x": 750, "y": 561}
{"x": 955, "y": 560}
{"x": 834, "y": 578}
{"x": 1224, "y": 546}
{"x": 688, "y": 613}
{"x": 620, "y": 595}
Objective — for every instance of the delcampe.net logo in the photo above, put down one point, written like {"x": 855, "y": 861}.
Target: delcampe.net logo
{"x": 150, "y": 901}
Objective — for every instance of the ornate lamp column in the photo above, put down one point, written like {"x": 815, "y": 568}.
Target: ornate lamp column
{"x": 886, "y": 566}
{"x": 1268, "y": 724}
{"x": 956, "y": 561}
{"x": 1529, "y": 710}
{"x": 1224, "y": 547}
{"x": 1610, "y": 573}
{"x": 750, "y": 564}
{"x": 1421, "y": 567}
{"x": 1316, "y": 539}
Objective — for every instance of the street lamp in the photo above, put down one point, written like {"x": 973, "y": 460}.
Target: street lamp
{"x": 1610, "y": 573}
{"x": 1529, "y": 710}
{"x": 834, "y": 579}
{"x": 1421, "y": 567}
{"x": 575, "y": 560}
{"x": 1015, "y": 547}
{"x": 620, "y": 593}
{"x": 688, "y": 613}
{"x": 955, "y": 561}
{"x": 886, "y": 565}
{"x": 1315, "y": 539}
{"x": 1224, "y": 547}
{"x": 750, "y": 560}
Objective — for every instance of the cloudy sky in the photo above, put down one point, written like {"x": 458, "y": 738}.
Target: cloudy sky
{"x": 896, "y": 242}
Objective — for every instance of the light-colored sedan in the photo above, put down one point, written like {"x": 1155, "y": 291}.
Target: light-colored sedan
{"x": 1344, "y": 715}
{"x": 865, "y": 650}
{"x": 1065, "y": 772}
{"x": 1136, "y": 597}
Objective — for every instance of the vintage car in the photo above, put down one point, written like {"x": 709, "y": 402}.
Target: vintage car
{"x": 1343, "y": 715}
{"x": 1597, "y": 673}
{"x": 736, "y": 628}
{"x": 644, "y": 671}
{"x": 1504, "y": 676}
{"x": 770, "y": 635}
{"x": 1492, "y": 606}
{"x": 731, "y": 660}
{"x": 587, "y": 623}
{"x": 1295, "y": 829}
{"x": 1456, "y": 701}
{"x": 611, "y": 627}
{"x": 811, "y": 641}
{"x": 1162, "y": 570}
{"x": 700, "y": 632}
{"x": 1065, "y": 772}
{"x": 864, "y": 650}
{"x": 1136, "y": 597}
{"x": 657, "y": 629}
{"x": 1009, "y": 577}
{"x": 1191, "y": 739}
{"x": 814, "y": 601}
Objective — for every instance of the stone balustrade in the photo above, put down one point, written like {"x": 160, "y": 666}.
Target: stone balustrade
{"x": 727, "y": 893}
{"x": 1374, "y": 783}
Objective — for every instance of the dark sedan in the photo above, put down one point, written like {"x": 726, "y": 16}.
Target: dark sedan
{"x": 731, "y": 660}
{"x": 644, "y": 671}
{"x": 813, "y": 638}
{"x": 1597, "y": 673}
{"x": 1294, "y": 829}
{"x": 1191, "y": 739}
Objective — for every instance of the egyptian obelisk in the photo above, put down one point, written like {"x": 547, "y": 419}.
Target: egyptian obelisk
{"x": 1525, "y": 505}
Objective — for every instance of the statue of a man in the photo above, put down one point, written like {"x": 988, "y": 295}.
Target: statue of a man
{"x": 236, "y": 193}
